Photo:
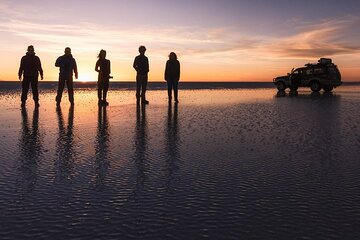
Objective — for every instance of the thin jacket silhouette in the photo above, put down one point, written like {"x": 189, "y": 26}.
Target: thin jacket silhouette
{"x": 102, "y": 66}
{"x": 172, "y": 75}
{"x": 67, "y": 65}
{"x": 30, "y": 66}
{"x": 172, "y": 70}
{"x": 141, "y": 64}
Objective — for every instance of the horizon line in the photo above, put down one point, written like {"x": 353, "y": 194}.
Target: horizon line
{"x": 157, "y": 81}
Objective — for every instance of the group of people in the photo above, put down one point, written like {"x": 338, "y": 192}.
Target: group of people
{"x": 30, "y": 69}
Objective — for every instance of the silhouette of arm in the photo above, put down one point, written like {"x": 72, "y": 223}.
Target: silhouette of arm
{"x": 40, "y": 68}
{"x": 21, "y": 68}
{"x": 135, "y": 64}
{"x": 58, "y": 62}
{"x": 177, "y": 70}
{"x": 75, "y": 69}
{"x": 147, "y": 65}
{"x": 97, "y": 65}
{"x": 109, "y": 66}
{"x": 166, "y": 74}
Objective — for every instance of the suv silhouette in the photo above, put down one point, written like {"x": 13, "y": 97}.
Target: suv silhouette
{"x": 323, "y": 74}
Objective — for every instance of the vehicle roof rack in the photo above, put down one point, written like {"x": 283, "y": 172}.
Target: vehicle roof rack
{"x": 325, "y": 61}
{"x": 321, "y": 61}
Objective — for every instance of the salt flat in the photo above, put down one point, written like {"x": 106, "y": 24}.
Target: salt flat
{"x": 222, "y": 164}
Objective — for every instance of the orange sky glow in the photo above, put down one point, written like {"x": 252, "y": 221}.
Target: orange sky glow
{"x": 210, "y": 47}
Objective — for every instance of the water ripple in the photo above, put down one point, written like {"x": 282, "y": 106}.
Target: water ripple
{"x": 253, "y": 166}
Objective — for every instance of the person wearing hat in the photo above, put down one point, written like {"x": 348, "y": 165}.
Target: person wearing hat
{"x": 67, "y": 65}
{"x": 141, "y": 65}
{"x": 30, "y": 67}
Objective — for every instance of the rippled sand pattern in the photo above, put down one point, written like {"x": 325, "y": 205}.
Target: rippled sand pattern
{"x": 223, "y": 164}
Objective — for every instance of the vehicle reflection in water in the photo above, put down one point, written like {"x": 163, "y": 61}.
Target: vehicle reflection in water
{"x": 322, "y": 136}
{"x": 102, "y": 143}
{"x": 314, "y": 136}
{"x": 314, "y": 95}
{"x": 30, "y": 145}
{"x": 280, "y": 94}
{"x": 293, "y": 93}
{"x": 64, "y": 163}
{"x": 172, "y": 147}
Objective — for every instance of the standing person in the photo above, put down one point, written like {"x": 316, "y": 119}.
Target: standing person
{"x": 67, "y": 65}
{"x": 172, "y": 75}
{"x": 141, "y": 65}
{"x": 30, "y": 67}
{"x": 103, "y": 68}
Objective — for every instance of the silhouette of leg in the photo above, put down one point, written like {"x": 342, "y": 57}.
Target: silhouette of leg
{"x": 143, "y": 88}
{"x": 100, "y": 89}
{"x": 70, "y": 87}
{"x": 169, "y": 85}
{"x": 61, "y": 85}
{"x": 25, "y": 88}
{"x": 175, "y": 86}
{"x": 35, "y": 91}
{"x": 105, "y": 89}
{"x": 138, "y": 87}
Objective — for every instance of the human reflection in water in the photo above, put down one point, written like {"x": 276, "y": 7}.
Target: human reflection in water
{"x": 64, "y": 164}
{"x": 140, "y": 142}
{"x": 101, "y": 148}
{"x": 30, "y": 150}
{"x": 172, "y": 147}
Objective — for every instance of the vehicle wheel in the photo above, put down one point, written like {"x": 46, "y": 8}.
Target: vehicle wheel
{"x": 294, "y": 88}
{"x": 328, "y": 88}
{"x": 281, "y": 86}
{"x": 315, "y": 86}
{"x": 293, "y": 93}
{"x": 281, "y": 94}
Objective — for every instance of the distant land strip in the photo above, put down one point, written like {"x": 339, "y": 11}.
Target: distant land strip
{"x": 15, "y": 85}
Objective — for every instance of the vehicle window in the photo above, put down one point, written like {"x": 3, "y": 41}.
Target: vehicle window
{"x": 333, "y": 71}
{"x": 319, "y": 70}
{"x": 308, "y": 71}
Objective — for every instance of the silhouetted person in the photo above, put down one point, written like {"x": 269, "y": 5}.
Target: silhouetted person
{"x": 67, "y": 65}
{"x": 103, "y": 68}
{"x": 172, "y": 75}
{"x": 141, "y": 65}
{"x": 30, "y": 67}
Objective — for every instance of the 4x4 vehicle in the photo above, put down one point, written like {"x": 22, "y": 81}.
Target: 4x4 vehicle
{"x": 323, "y": 74}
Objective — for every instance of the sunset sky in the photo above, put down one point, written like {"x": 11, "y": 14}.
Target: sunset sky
{"x": 228, "y": 40}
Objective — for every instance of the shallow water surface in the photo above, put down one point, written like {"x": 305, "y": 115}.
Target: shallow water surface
{"x": 222, "y": 164}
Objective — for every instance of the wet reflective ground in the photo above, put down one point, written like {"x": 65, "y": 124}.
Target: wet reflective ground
{"x": 222, "y": 164}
